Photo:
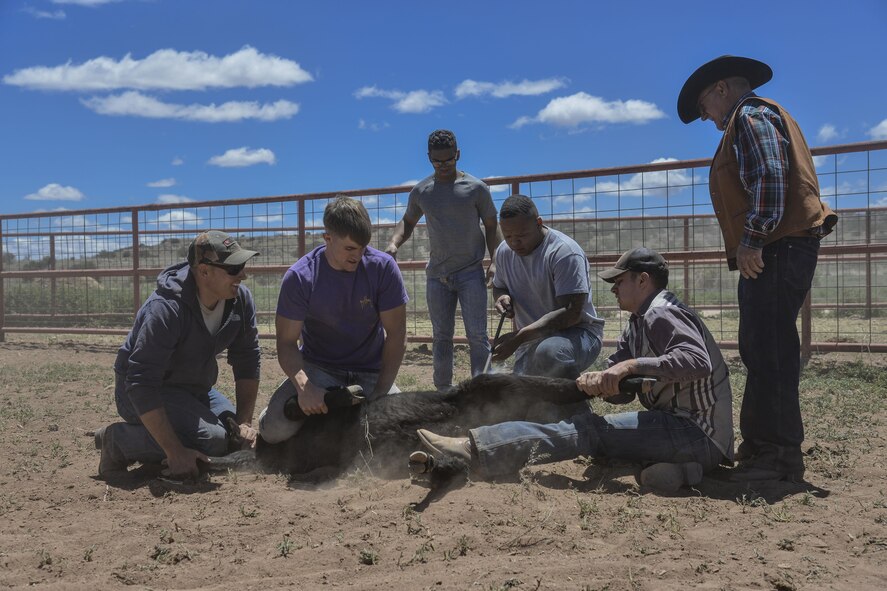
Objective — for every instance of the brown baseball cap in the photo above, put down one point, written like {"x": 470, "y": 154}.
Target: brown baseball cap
{"x": 639, "y": 260}
{"x": 227, "y": 251}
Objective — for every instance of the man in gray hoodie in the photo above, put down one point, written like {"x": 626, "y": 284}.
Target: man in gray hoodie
{"x": 166, "y": 368}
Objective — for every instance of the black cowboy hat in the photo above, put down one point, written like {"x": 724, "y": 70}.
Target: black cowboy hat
{"x": 726, "y": 66}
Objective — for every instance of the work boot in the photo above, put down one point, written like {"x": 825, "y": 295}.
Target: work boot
{"x": 744, "y": 452}
{"x": 112, "y": 458}
{"x": 459, "y": 447}
{"x": 771, "y": 462}
{"x": 667, "y": 477}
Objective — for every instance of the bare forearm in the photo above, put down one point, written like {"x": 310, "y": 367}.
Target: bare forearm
{"x": 392, "y": 356}
{"x": 246, "y": 392}
{"x": 493, "y": 238}
{"x": 549, "y": 324}
{"x": 292, "y": 363}
{"x": 158, "y": 425}
{"x": 402, "y": 233}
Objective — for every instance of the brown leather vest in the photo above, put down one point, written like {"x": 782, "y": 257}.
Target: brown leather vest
{"x": 803, "y": 208}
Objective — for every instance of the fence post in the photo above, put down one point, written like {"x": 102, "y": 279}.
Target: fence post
{"x": 301, "y": 228}
{"x": 868, "y": 265}
{"x": 688, "y": 297}
{"x": 136, "y": 264}
{"x": 2, "y": 289}
{"x": 515, "y": 188}
{"x": 52, "y": 282}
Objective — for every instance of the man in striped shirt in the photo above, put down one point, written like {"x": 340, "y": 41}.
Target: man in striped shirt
{"x": 765, "y": 194}
{"x": 687, "y": 427}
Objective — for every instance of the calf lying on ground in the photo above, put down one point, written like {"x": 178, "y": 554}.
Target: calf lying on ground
{"x": 380, "y": 434}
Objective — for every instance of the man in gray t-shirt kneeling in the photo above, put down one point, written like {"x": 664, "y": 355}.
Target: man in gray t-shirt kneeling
{"x": 542, "y": 281}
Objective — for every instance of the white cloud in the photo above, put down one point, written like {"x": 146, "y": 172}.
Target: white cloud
{"x": 239, "y": 157}
{"x": 372, "y": 126}
{"x": 415, "y": 101}
{"x": 820, "y": 161}
{"x": 525, "y": 87}
{"x": 652, "y": 184}
{"x": 55, "y": 192}
{"x": 177, "y": 161}
{"x": 879, "y": 131}
{"x": 267, "y": 219}
{"x": 170, "y": 199}
{"x": 178, "y": 216}
{"x": 90, "y": 3}
{"x": 36, "y": 13}
{"x": 136, "y": 104}
{"x": 827, "y": 133}
{"x": 165, "y": 69}
{"x": 163, "y": 183}
{"x": 498, "y": 188}
{"x": 581, "y": 108}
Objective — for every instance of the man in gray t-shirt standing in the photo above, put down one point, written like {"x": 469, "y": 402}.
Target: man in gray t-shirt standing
{"x": 452, "y": 202}
{"x": 542, "y": 281}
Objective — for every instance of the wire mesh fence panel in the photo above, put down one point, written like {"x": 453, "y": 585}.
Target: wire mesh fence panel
{"x": 83, "y": 271}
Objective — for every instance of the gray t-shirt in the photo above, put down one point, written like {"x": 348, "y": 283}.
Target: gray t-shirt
{"x": 558, "y": 267}
{"x": 452, "y": 214}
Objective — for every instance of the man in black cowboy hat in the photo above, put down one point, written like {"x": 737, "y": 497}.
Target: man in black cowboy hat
{"x": 166, "y": 369}
{"x": 765, "y": 195}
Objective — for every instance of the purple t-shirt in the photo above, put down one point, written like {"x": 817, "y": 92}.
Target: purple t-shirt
{"x": 340, "y": 309}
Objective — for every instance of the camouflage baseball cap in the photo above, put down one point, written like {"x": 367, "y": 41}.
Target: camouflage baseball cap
{"x": 639, "y": 260}
{"x": 219, "y": 248}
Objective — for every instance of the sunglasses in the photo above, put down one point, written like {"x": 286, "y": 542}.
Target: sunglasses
{"x": 436, "y": 162}
{"x": 232, "y": 271}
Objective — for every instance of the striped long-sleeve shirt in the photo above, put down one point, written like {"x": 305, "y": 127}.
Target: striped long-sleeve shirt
{"x": 668, "y": 341}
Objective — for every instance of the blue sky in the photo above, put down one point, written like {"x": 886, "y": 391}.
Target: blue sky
{"x": 109, "y": 103}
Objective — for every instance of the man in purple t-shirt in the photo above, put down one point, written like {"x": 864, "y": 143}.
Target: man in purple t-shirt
{"x": 346, "y": 301}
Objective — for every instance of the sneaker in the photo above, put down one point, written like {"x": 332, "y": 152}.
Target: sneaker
{"x": 667, "y": 477}
{"x": 459, "y": 447}
{"x": 112, "y": 459}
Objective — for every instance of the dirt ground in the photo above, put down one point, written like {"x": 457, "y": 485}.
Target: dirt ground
{"x": 571, "y": 525}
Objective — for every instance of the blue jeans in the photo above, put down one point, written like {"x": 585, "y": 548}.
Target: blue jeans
{"x": 274, "y": 427}
{"x": 198, "y": 420}
{"x": 643, "y": 437}
{"x": 563, "y": 355}
{"x": 770, "y": 348}
{"x": 469, "y": 288}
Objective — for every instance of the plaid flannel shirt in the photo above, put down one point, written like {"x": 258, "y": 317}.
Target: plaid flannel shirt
{"x": 761, "y": 145}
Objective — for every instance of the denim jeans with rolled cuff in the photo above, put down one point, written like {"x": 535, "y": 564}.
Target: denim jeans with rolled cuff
{"x": 643, "y": 437}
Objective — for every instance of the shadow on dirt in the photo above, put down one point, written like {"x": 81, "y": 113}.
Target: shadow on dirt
{"x": 150, "y": 476}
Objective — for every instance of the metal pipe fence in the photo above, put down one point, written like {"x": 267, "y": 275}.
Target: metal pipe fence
{"x": 88, "y": 271}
